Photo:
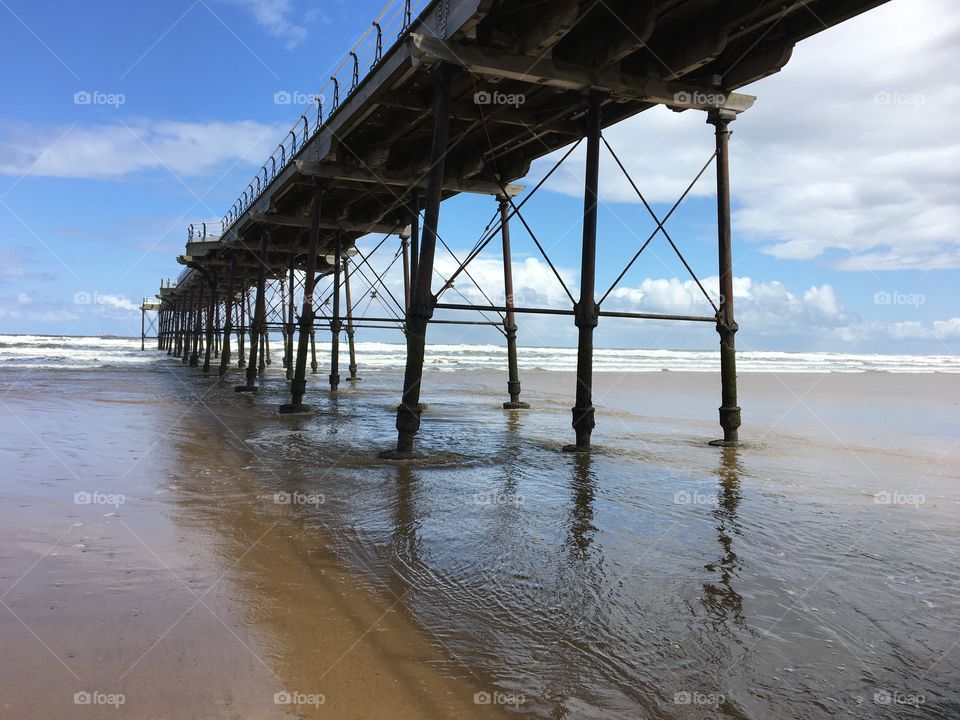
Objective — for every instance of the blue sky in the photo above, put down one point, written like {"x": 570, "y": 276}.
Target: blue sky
{"x": 845, "y": 174}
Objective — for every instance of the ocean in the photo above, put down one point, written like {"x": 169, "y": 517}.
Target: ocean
{"x": 43, "y": 351}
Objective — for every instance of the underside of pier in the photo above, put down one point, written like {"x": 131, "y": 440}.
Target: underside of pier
{"x": 461, "y": 96}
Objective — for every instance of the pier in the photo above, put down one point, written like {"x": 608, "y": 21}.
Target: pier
{"x": 419, "y": 112}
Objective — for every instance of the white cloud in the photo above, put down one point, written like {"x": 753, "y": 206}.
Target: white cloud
{"x": 276, "y": 17}
{"x": 943, "y": 330}
{"x": 112, "y": 151}
{"x": 117, "y": 301}
{"x": 851, "y": 148}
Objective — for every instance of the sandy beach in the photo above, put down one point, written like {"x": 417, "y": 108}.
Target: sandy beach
{"x": 219, "y": 554}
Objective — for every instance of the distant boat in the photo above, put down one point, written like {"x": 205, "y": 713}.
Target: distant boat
{"x": 106, "y": 335}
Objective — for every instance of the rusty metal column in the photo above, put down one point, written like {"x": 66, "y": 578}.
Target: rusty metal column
{"x": 586, "y": 309}
{"x": 313, "y": 352}
{"x": 414, "y": 241}
{"x": 422, "y": 301}
{"x": 298, "y": 385}
{"x": 143, "y": 315}
{"x": 510, "y": 323}
{"x": 242, "y": 326}
{"x": 335, "y": 324}
{"x": 168, "y": 332}
{"x": 201, "y": 313}
{"x": 210, "y": 310}
{"x": 197, "y": 327}
{"x": 350, "y": 331}
{"x": 227, "y": 318}
{"x": 265, "y": 357}
{"x": 216, "y": 329}
{"x": 283, "y": 324}
{"x": 258, "y": 314}
{"x": 177, "y": 348}
{"x": 288, "y": 347}
{"x": 405, "y": 250}
{"x": 264, "y": 341}
{"x": 162, "y": 316}
{"x": 181, "y": 324}
{"x": 188, "y": 329}
{"x": 726, "y": 325}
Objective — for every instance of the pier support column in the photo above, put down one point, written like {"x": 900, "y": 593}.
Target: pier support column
{"x": 298, "y": 385}
{"x": 313, "y": 352}
{"x": 414, "y": 241}
{"x": 208, "y": 349}
{"x": 335, "y": 323}
{"x": 405, "y": 250}
{"x": 585, "y": 311}
{"x": 227, "y": 318}
{"x": 350, "y": 331}
{"x": 258, "y": 314}
{"x": 178, "y": 339}
{"x": 265, "y": 358}
{"x": 283, "y": 324}
{"x": 187, "y": 328}
{"x": 422, "y": 300}
{"x": 172, "y": 327}
{"x": 242, "y": 327}
{"x": 726, "y": 325}
{"x": 197, "y": 326}
{"x": 143, "y": 318}
{"x": 510, "y": 323}
{"x": 291, "y": 328}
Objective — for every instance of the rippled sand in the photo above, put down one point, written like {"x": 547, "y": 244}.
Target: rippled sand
{"x": 810, "y": 573}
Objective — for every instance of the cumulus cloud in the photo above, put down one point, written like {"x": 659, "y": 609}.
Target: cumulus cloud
{"x": 943, "y": 330}
{"x": 850, "y": 152}
{"x": 277, "y": 18}
{"x": 117, "y": 302}
{"x": 115, "y": 150}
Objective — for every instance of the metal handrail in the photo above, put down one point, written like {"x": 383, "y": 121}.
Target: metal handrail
{"x": 199, "y": 232}
{"x": 396, "y": 15}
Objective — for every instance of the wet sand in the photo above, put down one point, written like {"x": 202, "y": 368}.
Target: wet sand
{"x": 198, "y": 596}
{"x": 764, "y": 581}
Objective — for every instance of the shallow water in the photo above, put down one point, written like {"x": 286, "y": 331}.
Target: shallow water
{"x": 657, "y": 577}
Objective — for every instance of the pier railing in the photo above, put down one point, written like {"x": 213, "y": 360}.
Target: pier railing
{"x": 384, "y": 32}
{"x": 205, "y": 231}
